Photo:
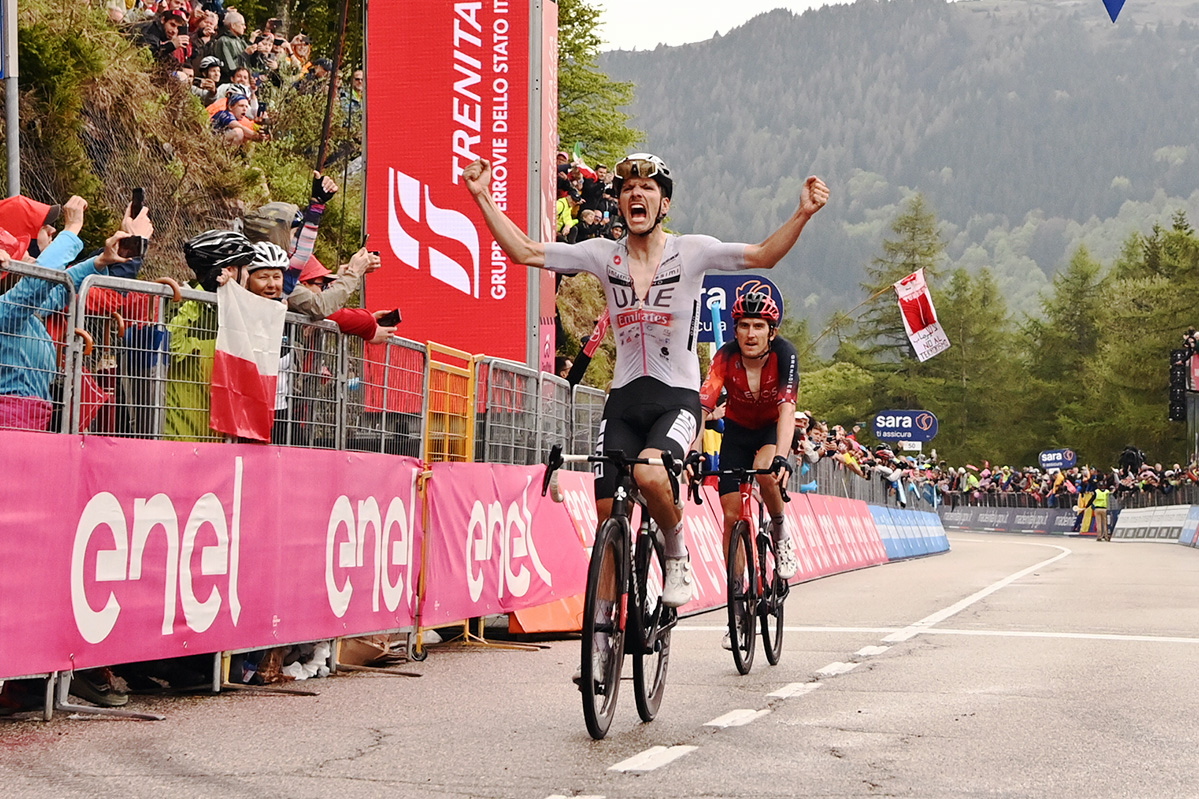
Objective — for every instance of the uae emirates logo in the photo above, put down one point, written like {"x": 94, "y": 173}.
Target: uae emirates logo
{"x": 408, "y": 217}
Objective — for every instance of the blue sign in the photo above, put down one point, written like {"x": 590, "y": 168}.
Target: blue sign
{"x": 1113, "y": 8}
{"x": 720, "y": 291}
{"x": 1058, "y": 459}
{"x": 904, "y": 426}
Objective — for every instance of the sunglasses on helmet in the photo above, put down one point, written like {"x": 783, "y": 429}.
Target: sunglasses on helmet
{"x": 636, "y": 168}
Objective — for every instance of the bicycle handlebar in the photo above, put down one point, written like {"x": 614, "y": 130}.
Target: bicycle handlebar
{"x": 742, "y": 476}
{"x": 557, "y": 460}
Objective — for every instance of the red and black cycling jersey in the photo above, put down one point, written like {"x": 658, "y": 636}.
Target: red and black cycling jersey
{"x": 779, "y": 383}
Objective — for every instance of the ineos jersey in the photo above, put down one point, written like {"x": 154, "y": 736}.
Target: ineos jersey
{"x": 779, "y": 383}
{"x": 655, "y": 334}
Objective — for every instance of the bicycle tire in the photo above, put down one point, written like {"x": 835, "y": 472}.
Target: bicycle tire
{"x": 770, "y": 609}
{"x": 602, "y": 631}
{"x": 647, "y": 617}
{"x": 743, "y": 602}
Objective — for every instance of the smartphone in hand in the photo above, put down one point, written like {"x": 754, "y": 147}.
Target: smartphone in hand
{"x": 136, "y": 202}
{"x": 132, "y": 247}
{"x": 390, "y": 319}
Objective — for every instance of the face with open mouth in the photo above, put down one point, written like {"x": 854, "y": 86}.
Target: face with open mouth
{"x": 641, "y": 203}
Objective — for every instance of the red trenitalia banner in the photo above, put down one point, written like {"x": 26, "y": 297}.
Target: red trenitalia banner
{"x": 449, "y": 82}
{"x": 152, "y": 549}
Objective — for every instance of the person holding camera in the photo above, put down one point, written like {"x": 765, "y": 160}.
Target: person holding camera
{"x": 167, "y": 37}
{"x": 231, "y": 46}
{"x": 28, "y": 353}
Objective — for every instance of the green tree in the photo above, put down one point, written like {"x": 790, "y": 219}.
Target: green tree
{"x": 974, "y": 386}
{"x": 916, "y": 244}
{"x": 589, "y": 102}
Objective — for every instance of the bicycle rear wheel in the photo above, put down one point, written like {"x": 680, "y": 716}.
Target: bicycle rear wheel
{"x": 603, "y": 636}
{"x": 743, "y": 599}
{"x": 770, "y": 609}
{"x": 650, "y": 642}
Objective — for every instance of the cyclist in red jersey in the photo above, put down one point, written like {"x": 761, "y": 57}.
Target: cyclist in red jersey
{"x": 760, "y": 374}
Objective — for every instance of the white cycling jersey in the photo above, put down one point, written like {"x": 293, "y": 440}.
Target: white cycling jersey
{"x": 655, "y": 334}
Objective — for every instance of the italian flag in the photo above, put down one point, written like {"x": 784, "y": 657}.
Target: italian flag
{"x": 246, "y": 365}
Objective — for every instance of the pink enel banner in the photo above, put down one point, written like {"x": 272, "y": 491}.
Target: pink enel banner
{"x": 831, "y": 535}
{"x": 119, "y": 550}
{"x": 495, "y": 545}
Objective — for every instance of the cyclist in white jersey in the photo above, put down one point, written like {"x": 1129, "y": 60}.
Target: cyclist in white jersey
{"x": 652, "y": 282}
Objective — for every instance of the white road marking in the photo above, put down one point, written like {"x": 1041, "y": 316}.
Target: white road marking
{"x": 796, "y": 689}
{"x": 911, "y": 631}
{"x": 835, "y": 668}
{"x": 868, "y": 651}
{"x": 652, "y": 758}
{"x": 737, "y": 718}
{"x": 1164, "y": 639}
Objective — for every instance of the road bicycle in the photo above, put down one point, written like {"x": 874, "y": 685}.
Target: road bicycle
{"x": 755, "y": 592}
{"x": 622, "y": 608}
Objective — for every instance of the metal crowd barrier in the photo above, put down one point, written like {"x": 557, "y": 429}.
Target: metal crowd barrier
{"x": 38, "y": 348}
{"x": 509, "y": 412}
{"x": 587, "y": 408}
{"x": 386, "y": 403}
{"x": 450, "y": 423}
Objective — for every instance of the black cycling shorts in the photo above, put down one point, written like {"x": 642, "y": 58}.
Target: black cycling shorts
{"x": 738, "y": 447}
{"x": 645, "y": 414}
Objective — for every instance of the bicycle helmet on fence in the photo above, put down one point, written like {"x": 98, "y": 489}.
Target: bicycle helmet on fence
{"x": 211, "y": 251}
{"x": 756, "y": 305}
{"x": 643, "y": 165}
{"x": 268, "y": 255}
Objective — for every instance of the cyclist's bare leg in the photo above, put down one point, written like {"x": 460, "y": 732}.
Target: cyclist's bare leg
{"x": 654, "y": 485}
{"x": 772, "y": 497}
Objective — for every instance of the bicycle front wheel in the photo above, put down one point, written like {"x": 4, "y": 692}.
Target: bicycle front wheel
{"x": 743, "y": 598}
{"x": 603, "y": 634}
{"x": 770, "y": 609}
{"x": 651, "y": 634}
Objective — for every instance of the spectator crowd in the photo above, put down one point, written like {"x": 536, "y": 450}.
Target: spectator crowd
{"x": 586, "y": 207}
{"x": 235, "y": 74}
{"x": 935, "y": 482}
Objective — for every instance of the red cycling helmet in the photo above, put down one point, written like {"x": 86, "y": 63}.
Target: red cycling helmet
{"x": 756, "y": 305}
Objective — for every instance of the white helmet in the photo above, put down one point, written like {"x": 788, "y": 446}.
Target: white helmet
{"x": 268, "y": 255}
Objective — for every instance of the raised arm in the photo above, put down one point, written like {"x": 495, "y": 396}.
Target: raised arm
{"x": 780, "y": 242}
{"x": 512, "y": 240}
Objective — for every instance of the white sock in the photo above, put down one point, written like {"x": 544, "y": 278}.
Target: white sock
{"x": 778, "y": 530}
{"x": 674, "y": 545}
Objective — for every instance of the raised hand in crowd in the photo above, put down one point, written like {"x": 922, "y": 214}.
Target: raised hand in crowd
{"x": 139, "y": 225}
{"x": 72, "y": 214}
{"x": 363, "y": 262}
{"x": 382, "y": 333}
{"x": 109, "y": 256}
{"x": 323, "y": 188}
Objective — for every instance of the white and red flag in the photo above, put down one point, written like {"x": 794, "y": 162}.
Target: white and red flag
{"x": 919, "y": 318}
{"x": 245, "y": 370}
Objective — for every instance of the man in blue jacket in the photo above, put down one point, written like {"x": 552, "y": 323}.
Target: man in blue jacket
{"x": 28, "y": 354}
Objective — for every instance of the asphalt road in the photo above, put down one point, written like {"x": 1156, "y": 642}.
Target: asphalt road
{"x": 1010, "y": 667}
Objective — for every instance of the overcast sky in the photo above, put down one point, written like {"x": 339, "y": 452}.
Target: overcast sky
{"x": 644, "y": 24}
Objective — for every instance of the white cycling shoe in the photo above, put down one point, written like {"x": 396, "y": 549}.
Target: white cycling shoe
{"x": 599, "y": 663}
{"x": 785, "y": 565}
{"x": 678, "y": 584}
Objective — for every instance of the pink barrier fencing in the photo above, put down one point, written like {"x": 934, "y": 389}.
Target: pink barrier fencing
{"x": 495, "y": 544}
{"x": 120, "y": 550}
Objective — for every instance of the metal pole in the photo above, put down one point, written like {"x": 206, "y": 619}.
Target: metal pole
{"x": 333, "y": 79}
{"x": 12, "y": 120}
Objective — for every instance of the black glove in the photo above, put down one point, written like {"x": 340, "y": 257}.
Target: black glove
{"x": 318, "y": 191}
{"x": 694, "y": 461}
{"x": 779, "y": 464}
